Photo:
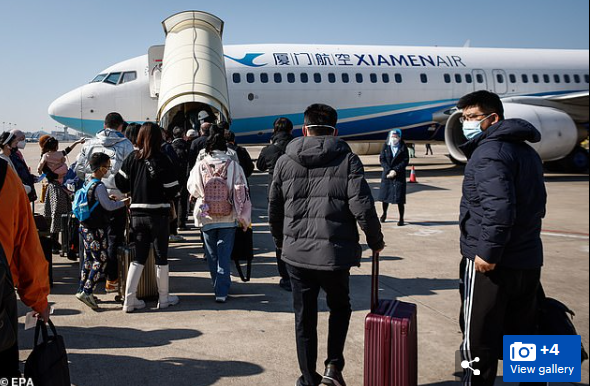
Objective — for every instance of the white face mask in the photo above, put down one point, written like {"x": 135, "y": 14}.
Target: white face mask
{"x": 471, "y": 129}
{"x": 21, "y": 144}
{"x": 394, "y": 141}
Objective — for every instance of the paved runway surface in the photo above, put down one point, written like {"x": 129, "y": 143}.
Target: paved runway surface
{"x": 250, "y": 339}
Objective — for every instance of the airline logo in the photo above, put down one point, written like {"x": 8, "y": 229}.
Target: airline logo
{"x": 282, "y": 59}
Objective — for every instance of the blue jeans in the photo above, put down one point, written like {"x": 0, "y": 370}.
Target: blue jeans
{"x": 218, "y": 248}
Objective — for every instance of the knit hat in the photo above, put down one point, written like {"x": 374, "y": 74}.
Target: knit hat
{"x": 43, "y": 139}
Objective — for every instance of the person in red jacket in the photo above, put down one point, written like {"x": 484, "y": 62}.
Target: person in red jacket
{"x": 25, "y": 257}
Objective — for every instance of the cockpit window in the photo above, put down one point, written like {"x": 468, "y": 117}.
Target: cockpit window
{"x": 113, "y": 78}
{"x": 98, "y": 78}
{"x": 128, "y": 76}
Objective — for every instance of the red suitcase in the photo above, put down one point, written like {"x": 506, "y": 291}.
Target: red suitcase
{"x": 390, "y": 339}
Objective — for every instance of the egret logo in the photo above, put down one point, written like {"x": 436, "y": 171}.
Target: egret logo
{"x": 247, "y": 60}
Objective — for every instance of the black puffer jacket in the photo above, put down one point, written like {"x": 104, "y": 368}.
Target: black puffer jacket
{"x": 503, "y": 197}
{"x": 271, "y": 153}
{"x": 318, "y": 195}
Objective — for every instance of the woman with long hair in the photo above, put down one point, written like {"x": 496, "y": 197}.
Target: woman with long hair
{"x": 150, "y": 178}
{"x": 220, "y": 186}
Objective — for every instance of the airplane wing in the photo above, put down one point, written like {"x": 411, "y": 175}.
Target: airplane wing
{"x": 574, "y": 104}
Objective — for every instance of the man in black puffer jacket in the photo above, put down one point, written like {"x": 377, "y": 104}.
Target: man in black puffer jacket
{"x": 317, "y": 197}
{"x": 502, "y": 206}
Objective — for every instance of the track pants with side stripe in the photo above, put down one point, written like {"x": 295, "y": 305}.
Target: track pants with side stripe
{"x": 496, "y": 303}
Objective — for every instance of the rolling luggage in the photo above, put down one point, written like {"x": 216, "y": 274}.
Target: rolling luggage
{"x": 69, "y": 237}
{"x": 148, "y": 285}
{"x": 390, "y": 339}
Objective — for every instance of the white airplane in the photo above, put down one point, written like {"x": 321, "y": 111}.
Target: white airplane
{"x": 373, "y": 88}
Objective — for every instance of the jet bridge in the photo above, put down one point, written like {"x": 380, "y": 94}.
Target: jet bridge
{"x": 190, "y": 80}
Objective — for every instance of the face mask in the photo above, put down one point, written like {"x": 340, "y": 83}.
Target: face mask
{"x": 21, "y": 144}
{"x": 394, "y": 141}
{"x": 471, "y": 129}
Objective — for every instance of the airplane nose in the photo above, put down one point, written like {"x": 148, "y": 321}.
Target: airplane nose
{"x": 66, "y": 109}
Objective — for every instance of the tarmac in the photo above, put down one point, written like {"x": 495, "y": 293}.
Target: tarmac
{"x": 250, "y": 339}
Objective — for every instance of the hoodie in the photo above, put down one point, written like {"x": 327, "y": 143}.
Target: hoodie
{"x": 317, "y": 197}
{"x": 503, "y": 196}
{"x": 111, "y": 142}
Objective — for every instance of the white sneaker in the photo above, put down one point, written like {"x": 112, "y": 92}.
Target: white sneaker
{"x": 176, "y": 238}
{"x": 221, "y": 299}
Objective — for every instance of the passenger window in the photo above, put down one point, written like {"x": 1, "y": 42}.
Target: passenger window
{"x": 479, "y": 78}
{"x": 345, "y": 77}
{"x": 398, "y": 78}
{"x": 556, "y": 78}
{"x": 423, "y": 78}
{"x": 447, "y": 78}
{"x": 499, "y": 78}
{"x": 98, "y": 78}
{"x": 359, "y": 78}
{"x": 373, "y": 78}
{"x": 458, "y": 78}
{"x": 576, "y": 78}
{"x": 304, "y": 77}
{"x": 264, "y": 78}
{"x": 512, "y": 78}
{"x": 566, "y": 78}
{"x": 128, "y": 76}
{"x": 290, "y": 77}
{"x": 317, "y": 77}
{"x": 250, "y": 77}
{"x": 113, "y": 78}
{"x": 586, "y": 78}
{"x": 385, "y": 78}
{"x": 535, "y": 78}
{"x": 546, "y": 78}
{"x": 468, "y": 78}
{"x": 525, "y": 78}
{"x": 277, "y": 77}
{"x": 236, "y": 77}
{"x": 332, "y": 77}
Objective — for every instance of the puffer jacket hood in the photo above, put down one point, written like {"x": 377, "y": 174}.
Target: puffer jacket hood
{"x": 313, "y": 152}
{"x": 509, "y": 130}
{"x": 110, "y": 137}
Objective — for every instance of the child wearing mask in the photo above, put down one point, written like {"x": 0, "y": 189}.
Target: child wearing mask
{"x": 94, "y": 229}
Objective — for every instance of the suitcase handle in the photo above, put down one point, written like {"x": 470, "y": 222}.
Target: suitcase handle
{"x": 375, "y": 281}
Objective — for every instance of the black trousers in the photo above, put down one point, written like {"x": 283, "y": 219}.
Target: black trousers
{"x": 150, "y": 231}
{"x": 306, "y": 284}
{"x": 115, "y": 239}
{"x": 183, "y": 206}
{"x": 281, "y": 265}
{"x": 497, "y": 303}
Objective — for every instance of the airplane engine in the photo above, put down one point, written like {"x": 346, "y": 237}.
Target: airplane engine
{"x": 193, "y": 84}
{"x": 559, "y": 133}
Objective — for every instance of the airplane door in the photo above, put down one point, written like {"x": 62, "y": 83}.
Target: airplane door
{"x": 479, "y": 80}
{"x": 500, "y": 82}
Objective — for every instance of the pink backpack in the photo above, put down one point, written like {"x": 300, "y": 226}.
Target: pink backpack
{"x": 215, "y": 188}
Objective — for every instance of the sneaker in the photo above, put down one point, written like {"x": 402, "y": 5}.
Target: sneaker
{"x": 111, "y": 286}
{"x": 176, "y": 238}
{"x": 332, "y": 376}
{"x": 221, "y": 299}
{"x": 383, "y": 218}
{"x": 285, "y": 285}
{"x": 401, "y": 223}
{"x": 183, "y": 228}
{"x": 88, "y": 299}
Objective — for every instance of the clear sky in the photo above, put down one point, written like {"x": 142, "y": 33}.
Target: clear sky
{"x": 51, "y": 47}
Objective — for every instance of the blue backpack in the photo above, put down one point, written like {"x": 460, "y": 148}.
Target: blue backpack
{"x": 81, "y": 209}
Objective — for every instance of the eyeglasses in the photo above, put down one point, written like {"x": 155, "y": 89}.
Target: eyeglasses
{"x": 473, "y": 117}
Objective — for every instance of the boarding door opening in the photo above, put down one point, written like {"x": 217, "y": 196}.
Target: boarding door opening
{"x": 479, "y": 80}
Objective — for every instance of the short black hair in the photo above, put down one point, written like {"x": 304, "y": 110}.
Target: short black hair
{"x": 229, "y": 135}
{"x": 320, "y": 114}
{"x": 113, "y": 120}
{"x": 97, "y": 160}
{"x": 486, "y": 101}
{"x": 283, "y": 124}
{"x": 177, "y": 132}
{"x": 131, "y": 132}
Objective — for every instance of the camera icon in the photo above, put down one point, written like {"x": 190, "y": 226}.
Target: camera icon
{"x": 523, "y": 352}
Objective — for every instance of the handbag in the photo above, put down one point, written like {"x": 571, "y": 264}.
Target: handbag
{"x": 243, "y": 251}
{"x": 47, "y": 365}
{"x": 44, "y": 189}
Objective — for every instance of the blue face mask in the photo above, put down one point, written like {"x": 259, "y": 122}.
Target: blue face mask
{"x": 471, "y": 129}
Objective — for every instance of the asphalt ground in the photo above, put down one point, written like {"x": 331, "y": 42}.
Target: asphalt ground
{"x": 250, "y": 339}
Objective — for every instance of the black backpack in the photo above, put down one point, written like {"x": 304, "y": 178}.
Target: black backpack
{"x": 555, "y": 318}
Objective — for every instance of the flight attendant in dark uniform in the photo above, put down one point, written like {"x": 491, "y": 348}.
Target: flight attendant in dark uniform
{"x": 393, "y": 159}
